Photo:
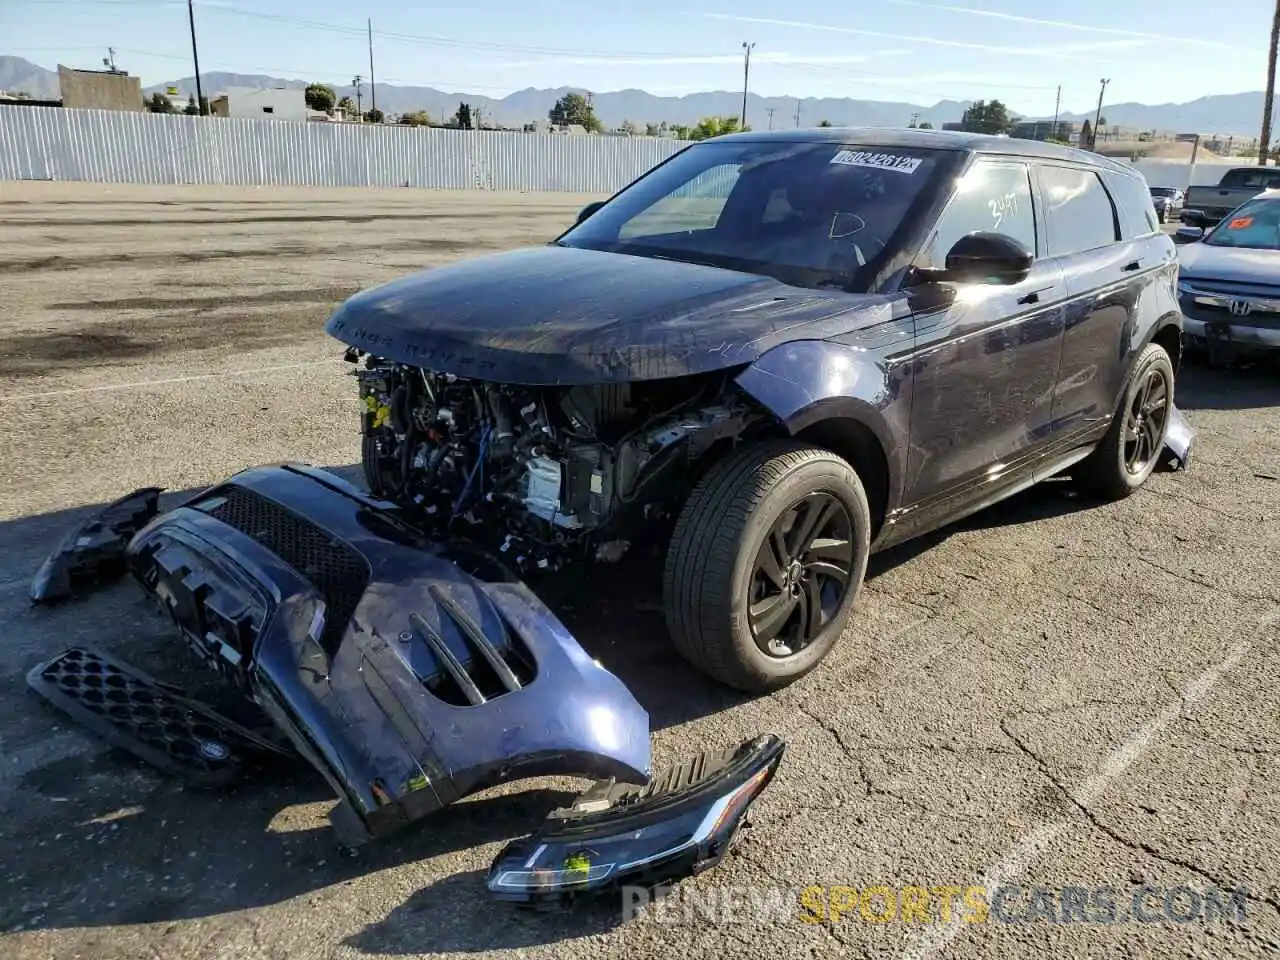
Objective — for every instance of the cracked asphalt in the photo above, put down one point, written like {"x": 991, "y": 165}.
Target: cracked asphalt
{"x": 1053, "y": 695}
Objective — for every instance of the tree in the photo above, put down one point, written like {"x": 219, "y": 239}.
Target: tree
{"x": 629, "y": 128}
{"x": 653, "y": 130}
{"x": 346, "y": 106}
{"x": 824, "y": 123}
{"x": 1086, "y": 135}
{"x": 987, "y": 117}
{"x": 191, "y": 110}
{"x": 375, "y": 116}
{"x": 415, "y": 118}
{"x": 159, "y": 103}
{"x": 573, "y": 108}
{"x": 463, "y": 117}
{"x": 709, "y": 127}
{"x": 321, "y": 97}
{"x": 926, "y": 125}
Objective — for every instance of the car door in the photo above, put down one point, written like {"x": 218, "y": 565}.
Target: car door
{"x": 985, "y": 363}
{"x": 1105, "y": 269}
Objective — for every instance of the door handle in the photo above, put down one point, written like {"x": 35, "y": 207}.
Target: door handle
{"x": 1131, "y": 266}
{"x": 1033, "y": 296}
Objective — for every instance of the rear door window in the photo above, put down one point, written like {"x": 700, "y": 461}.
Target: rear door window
{"x": 1078, "y": 212}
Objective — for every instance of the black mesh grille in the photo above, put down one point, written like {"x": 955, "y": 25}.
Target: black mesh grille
{"x": 335, "y": 569}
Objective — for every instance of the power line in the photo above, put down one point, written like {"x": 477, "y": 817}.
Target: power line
{"x": 434, "y": 40}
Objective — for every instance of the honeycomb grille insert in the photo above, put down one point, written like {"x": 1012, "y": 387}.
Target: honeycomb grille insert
{"x": 331, "y": 566}
{"x": 147, "y": 718}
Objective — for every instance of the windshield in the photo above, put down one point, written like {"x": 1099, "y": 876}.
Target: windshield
{"x": 809, "y": 214}
{"x": 1254, "y": 225}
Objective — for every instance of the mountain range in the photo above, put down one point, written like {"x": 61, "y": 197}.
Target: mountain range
{"x": 1237, "y": 113}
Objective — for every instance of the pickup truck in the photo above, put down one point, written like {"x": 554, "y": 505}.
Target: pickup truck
{"x": 1205, "y": 206}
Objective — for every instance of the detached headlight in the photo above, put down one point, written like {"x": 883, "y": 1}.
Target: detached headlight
{"x": 677, "y": 825}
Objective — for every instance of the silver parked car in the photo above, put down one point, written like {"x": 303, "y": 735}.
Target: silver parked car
{"x": 1168, "y": 202}
{"x": 1229, "y": 281}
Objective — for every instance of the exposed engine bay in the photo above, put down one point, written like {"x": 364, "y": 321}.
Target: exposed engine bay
{"x": 543, "y": 475}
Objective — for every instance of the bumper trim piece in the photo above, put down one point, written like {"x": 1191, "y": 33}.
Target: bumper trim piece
{"x": 93, "y": 552}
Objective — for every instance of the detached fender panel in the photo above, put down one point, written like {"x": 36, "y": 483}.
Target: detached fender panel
{"x": 408, "y": 672}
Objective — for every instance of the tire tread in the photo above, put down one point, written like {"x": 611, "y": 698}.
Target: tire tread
{"x": 704, "y": 549}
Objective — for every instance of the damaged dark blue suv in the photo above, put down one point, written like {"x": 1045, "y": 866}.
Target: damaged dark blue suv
{"x": 772, "y": 355}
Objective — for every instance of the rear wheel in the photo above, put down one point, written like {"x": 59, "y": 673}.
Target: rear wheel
{"x": 1129, "y": 452}
{"x": 766, "y": 564}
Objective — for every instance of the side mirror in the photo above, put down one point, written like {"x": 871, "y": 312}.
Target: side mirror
{"x": 588, "y": 210}
{"x": 1188, "y": 234}
{"x": 982, "y": 257}
{"x": 1192, "y": 218}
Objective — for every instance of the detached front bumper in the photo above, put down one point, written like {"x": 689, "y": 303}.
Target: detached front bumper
{"x": 409, "y": 675}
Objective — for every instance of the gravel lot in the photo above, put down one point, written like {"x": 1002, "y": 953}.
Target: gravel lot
{"x": 1052, "y": 694}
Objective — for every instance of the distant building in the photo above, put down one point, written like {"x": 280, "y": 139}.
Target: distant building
{"x": 22, "y": 100}
{"x": 261, "y": 104}
{"x": 99, "y": 89}
{"x": 1064, "y": 130}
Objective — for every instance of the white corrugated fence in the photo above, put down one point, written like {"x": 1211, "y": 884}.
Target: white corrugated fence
{"x": 50, "y": 143}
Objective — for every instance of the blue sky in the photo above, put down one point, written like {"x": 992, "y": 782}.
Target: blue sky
{"x": 918, "y": 51}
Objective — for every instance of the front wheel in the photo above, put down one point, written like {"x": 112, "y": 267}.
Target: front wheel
{"x": 766, "y": 564}
{"x": 1129, "y": 452}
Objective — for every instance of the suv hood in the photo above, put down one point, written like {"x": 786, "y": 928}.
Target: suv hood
{"x": 1203, "y": 261}
{"x": 560, "y": 315}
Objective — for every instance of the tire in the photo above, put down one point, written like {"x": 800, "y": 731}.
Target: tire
{"x": 712, "y": 570}
{"x": 1120, "y": 465}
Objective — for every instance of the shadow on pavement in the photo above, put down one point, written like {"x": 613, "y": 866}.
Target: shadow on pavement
{"x": 1242, "y": 387}
{"x": 455, "y": 916}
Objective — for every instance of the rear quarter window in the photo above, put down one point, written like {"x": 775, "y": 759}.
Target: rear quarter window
{"x": 1133, "y": 205}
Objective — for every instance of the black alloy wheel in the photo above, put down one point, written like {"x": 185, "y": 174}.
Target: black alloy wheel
{"x": 801, "y": 574}
{"x": 1145, "y": 420}
{"x": 1127, "y": 455}
{"x": 766, "y": 563}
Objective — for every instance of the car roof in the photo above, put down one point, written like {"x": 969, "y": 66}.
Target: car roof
{"x": 933, "y": 140}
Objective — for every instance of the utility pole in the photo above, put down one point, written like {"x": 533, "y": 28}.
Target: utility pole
{"x": 797, "y": 114}
{"x": 1097, "y": 117}
{"x": 769, "y": 110}
{"x": 1264, "y": 146}
{"x": 109, "y": 61}
{"x": 373, "y": 87}
{"x": 359, "y": 107}
{"x": 195, "y": 56}
{"x": 746, "y": 77}
{"x": 1057, "y": 105}
{"x": 915, "y": 120}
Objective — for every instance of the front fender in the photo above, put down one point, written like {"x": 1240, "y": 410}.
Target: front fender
{"x": 810, "y": 381}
